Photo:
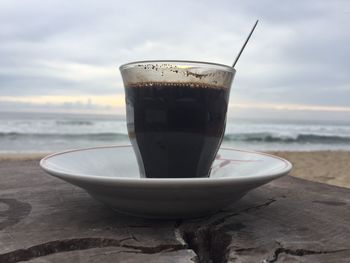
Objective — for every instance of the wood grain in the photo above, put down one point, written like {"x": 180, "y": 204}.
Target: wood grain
{"x": 43, "y": 219}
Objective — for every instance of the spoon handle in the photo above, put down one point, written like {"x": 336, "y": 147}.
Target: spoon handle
{"x": 245, "y": 43}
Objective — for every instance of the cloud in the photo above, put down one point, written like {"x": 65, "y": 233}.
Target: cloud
{"x": 299, "y": 53}
{"x": 77, "y": 106}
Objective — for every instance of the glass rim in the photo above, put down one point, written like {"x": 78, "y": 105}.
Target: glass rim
{"x": 179, "y": 62}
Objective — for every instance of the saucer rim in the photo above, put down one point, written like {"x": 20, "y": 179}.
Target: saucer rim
{"x": 161, "y": 181}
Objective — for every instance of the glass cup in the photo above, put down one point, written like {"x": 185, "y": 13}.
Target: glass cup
{"x": 176, "y": 115}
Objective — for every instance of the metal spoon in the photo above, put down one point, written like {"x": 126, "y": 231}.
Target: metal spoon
{"x": 245, "y": 43}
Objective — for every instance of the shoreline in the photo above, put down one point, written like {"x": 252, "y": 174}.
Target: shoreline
{"x": 330, "y": 167}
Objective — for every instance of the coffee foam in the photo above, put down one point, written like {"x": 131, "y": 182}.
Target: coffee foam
{"x": 174, "y": 85}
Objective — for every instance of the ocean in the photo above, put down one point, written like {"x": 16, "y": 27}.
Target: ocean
{"x": 50, "y": 132}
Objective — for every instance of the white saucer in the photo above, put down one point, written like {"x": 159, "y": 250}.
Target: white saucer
{"x": 111, "y": 175}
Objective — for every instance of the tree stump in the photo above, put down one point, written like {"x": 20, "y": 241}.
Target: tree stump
{"x": 43, "y": 219}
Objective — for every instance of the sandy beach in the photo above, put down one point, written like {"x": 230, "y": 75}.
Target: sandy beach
{"x": 330, "y": 167}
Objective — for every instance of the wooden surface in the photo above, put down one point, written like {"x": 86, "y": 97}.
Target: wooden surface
{"x": 43, "y": 219}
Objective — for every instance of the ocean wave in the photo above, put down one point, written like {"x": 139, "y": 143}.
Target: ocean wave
{"x": 263, "y": 137}
{"x": 300, "y": 138}
{"x": 85, "y": 136}
{"x": 74, "y": 123}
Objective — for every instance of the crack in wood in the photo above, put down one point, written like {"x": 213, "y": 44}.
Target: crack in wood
{"x": 180, "y": 236}
{"x": 67, "y": 245}
{"x": 244, "y": 249}
{"x": 210, "y": 245}
{"x": 299, "y": 252}
{"x": 267, "y": 203}
{"x": 224, "y": 218}
{"x": 211, "y": 242}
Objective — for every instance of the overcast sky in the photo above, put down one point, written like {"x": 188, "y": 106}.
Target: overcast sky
{"x": 59, "y": 52}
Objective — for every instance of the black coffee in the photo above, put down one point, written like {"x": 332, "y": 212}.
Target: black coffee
{"x": 177, "y": 127}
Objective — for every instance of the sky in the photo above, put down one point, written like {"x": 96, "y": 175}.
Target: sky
{"x": 64, "y": 55}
